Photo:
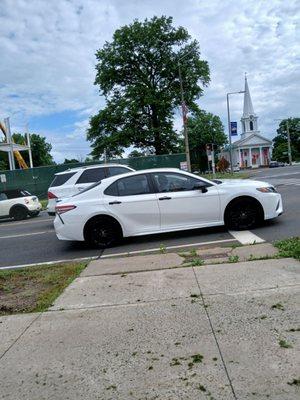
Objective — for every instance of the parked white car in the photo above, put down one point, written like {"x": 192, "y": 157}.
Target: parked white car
{"x": 162, "y": 200}
{"x": 73, "y": 181}
{"x": 18, "y": 204}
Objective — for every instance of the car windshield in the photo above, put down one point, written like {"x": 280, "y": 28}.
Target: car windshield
{"x": 88, "y": 188}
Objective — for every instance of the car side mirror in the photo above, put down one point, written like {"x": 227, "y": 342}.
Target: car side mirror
{"x": 200, "y": 186}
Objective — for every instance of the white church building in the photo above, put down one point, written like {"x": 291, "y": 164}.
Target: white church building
{"x": 252, "y": 150}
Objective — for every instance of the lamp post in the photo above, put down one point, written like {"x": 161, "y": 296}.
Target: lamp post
{"x": 229, "y": 126}
{"x": 184, "y": 116}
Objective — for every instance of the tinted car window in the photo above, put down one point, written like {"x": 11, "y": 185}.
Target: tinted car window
{"x": 117, "y": 171}
{"x": 170, "y": 182}
{"x": 133, "y": 185}
{"x": 112, "y": 190}
{"x": 92, "y": 175}
{"x": 61, "y": 179}
{"x": 13, "y": 194}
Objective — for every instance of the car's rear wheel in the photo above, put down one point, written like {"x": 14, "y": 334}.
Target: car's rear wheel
{"x": 19, "y": 213}
{"x": 243, "y": 214}
{"x": 102, "y": 232}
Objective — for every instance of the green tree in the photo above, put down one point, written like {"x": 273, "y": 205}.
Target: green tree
{"x": 138, "y": 75}
{"x": 136, "y": 153}
{"x": 280, "y": 150}
{"x": 204, "y": 128}
{"x": 40, "y": 149}
{"x": 70, "y": 161}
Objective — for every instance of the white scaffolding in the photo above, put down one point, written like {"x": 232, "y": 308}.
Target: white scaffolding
{"x": 13, "y": 149}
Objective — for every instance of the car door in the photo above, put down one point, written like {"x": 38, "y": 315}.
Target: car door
{"x": 134, "y": 204}
{"x": 4, "y": 204}
{"x": 88, "y": 177}
{"x": 182, "y": 205}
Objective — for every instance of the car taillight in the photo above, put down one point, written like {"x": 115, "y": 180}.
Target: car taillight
{"x": 63, "y": 209}
{"x": 51, "y": 196}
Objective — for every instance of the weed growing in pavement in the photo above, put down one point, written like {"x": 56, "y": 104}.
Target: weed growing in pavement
{"x": 202, "y": 388}
{"x": 111, "y": 387}
{"x": 277, "y": 306}
{"x": 162, "y": 249}
{"x": 233, "y": 259}
{"x": 284, "y": 344}
{"x": 197, "y": 358}
{"x": 295, "y": 382}
{"x": 196, "y": 262}
{"x": 289, "y": 247}
{"x": 175, "y": 362}
{"x": 193, "y": 253}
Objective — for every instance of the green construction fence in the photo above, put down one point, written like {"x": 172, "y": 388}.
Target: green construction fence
{"x": 37, "y": 180}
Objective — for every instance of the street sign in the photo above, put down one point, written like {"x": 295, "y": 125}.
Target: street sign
{"x": 3, "y": 178}
{"x": 183, "y": 165}
{"x": 233, "y": 128}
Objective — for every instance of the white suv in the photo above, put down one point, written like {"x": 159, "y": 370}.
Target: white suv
{"x": 18, "y": 204}
{"x": 73, "y": 181}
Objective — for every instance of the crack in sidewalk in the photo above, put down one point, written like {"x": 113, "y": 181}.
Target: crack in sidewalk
{"x": 215, "y": 336}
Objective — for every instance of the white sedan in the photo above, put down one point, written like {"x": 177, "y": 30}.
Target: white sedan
{"x": 162, "y": 200}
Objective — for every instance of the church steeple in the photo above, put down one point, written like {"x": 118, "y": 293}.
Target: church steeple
{"x": 249, "y": 118}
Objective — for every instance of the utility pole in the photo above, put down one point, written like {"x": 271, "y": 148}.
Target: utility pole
{"x": 289, "y": 141}
{"x": 229, "y": 127}
{"x": 184, "y": 119}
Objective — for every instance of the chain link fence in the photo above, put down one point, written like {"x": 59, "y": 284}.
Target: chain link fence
{"x": 37, "y": 180}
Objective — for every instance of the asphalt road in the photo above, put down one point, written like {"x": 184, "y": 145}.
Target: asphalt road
{"x": 34, "y": 241}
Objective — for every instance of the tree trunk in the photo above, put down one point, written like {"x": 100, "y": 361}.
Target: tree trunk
{"x": 156, "y": 131}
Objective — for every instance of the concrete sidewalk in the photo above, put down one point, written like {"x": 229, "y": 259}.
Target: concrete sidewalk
{"x": 148, "y": 328}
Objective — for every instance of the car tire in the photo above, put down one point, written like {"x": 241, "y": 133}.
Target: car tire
{"x": 33, "y": 214}
{"x": 243, "y": 214}
{"x": 102, "y": 232}
{"x": 18, "y": 213}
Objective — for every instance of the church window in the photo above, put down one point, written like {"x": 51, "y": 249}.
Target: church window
{"x": 251, "y": 125}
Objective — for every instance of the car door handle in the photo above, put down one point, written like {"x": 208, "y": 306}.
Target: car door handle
{"x": 111, "y": 203}
{"x": 165, "y": 198}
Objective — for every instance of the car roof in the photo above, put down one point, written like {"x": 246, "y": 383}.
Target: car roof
{"x": 69, "y": 170}
{"x": 142, "y": 171}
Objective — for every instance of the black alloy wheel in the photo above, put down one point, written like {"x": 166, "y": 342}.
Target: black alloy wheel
{"x": 102, "y": 234}
{"x": 243, "y": 215}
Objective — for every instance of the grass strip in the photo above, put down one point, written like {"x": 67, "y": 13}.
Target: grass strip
{"x": 34, "y": 289}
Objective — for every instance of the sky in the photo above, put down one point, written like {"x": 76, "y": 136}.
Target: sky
{"x": 47, "y": 60}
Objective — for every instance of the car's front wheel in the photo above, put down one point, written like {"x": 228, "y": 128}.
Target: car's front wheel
{"x": 102, "y": 232}
{"x": 243, "y": 214}
{"x": 19, "y": 213}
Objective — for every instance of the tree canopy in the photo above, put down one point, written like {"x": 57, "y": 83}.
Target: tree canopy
{"x": 138, "y": 75}
{"x": 204, "y": 128}
{"x": 40, "y": 151}
{"x": 280, "y": 150}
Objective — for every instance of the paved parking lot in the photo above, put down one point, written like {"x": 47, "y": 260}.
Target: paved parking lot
{"x": 34, "y": 240}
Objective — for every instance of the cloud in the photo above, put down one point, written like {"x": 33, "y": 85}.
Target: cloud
{"x": 48, "y": 58}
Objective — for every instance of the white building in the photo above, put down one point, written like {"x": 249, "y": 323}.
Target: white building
{"x": 252, "y": 150}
